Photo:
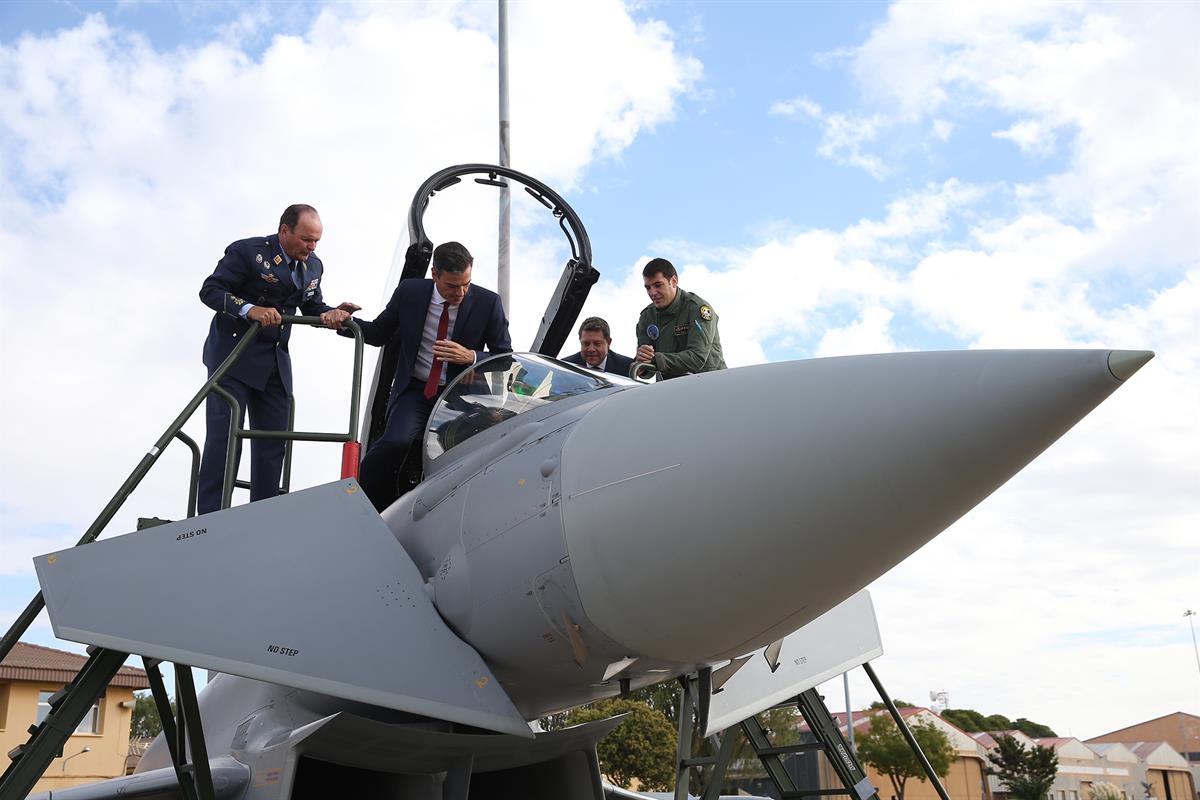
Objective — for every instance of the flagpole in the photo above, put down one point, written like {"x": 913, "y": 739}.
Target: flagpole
{"x": 502, "y": 258}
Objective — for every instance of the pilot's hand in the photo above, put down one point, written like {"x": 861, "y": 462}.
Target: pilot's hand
{"x": 453, "y": 352}
{"x": 349, "y": 308}
{"x": 645, "y": 352}
{"x": 265, "y": 316}
{"x": 335, "y": 318}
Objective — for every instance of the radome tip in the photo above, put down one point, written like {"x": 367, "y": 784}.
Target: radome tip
{"x": 1123, "y": 363}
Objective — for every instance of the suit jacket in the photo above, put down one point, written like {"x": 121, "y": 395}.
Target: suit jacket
{"x": 255, "y": 271}
{"x": 616, "y": 364}
{"x": 479, "y": 324}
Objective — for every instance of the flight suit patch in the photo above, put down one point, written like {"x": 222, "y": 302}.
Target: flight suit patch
{"x": 680, "y": 330}
{"x": 705, "y": 313}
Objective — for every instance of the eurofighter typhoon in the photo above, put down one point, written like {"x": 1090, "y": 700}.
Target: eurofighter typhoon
{"x": 404, "y": 655}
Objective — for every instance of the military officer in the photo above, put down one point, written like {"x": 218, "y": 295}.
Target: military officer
{"x": 677, "y": 332}
{"x": 259, "y": 280}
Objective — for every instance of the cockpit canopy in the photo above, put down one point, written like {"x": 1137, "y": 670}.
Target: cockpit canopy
{"x": 500, "y": 388}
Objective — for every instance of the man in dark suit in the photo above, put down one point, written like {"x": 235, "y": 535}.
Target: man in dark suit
{"x": 259, "y": 280}
{"x": 444, "y": 326}
{"x": 595, "y": 338}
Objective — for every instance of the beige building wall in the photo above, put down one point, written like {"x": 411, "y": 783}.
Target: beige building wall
{"x": 109, "y": 747}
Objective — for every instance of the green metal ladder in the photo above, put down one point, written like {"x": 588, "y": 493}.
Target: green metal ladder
{"x": 823, "y": 727}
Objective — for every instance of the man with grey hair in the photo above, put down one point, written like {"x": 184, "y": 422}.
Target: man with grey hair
{"x": 595, "y": 339}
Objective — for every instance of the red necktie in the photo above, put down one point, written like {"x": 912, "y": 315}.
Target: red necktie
{"x": 435, "y": 368}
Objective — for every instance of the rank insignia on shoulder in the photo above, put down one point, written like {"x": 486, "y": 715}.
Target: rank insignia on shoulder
{"x": 705, "y": 313}
{"x": 258, "y": 258}
{"x": 268, "y": 277}
{"x": 278, "y": 259}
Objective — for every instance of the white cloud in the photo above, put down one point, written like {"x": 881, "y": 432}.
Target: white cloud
{"x": 128, "y": 169}
{"x": 843, "y": 135}
{"x": 1034, "y": 138}
{"x": 867, "y": 334}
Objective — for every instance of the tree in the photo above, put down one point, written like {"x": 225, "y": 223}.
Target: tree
{"x": 879, "y": 705}
{"x": 883, "y": 747}
{"x": 641, "y": 747}
{"x": 1028, "y": 774}
{"x": 997, "y": 722}
{"x": 145, "y": 722}
{"x": 972, "y": 721}
{"x": 1034, "y": 730}
{"x": 968, "y": 719}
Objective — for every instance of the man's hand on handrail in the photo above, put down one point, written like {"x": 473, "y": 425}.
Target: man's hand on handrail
{"x": 265, "y": 316}
{"x": 335, "y": 318}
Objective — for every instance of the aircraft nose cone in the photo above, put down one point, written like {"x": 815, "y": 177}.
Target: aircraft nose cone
{"x": 1123, "y": 363}
{"x": 709, "y": 515}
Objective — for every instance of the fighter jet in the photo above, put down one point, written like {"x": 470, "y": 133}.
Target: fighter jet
{"x": 572, "y": 535}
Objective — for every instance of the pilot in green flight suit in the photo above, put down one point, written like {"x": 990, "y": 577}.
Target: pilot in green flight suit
{"x": 678, "y": 330}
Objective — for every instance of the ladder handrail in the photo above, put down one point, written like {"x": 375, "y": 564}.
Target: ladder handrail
{"x": 25, "y": 619}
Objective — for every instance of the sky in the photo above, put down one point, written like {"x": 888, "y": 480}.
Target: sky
{"x": 833, "y": 178}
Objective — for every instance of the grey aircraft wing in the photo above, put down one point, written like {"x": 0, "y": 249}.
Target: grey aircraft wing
{"x": 236, "y": 591}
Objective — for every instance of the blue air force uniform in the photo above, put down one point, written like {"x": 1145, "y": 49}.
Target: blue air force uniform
{"x": 253, "y": 272}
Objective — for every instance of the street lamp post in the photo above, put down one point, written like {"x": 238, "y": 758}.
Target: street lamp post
{"x": 68, "y": 758}
{"x": 1189, "y": 614}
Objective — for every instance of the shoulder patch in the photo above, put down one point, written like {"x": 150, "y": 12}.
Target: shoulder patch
{"x": 706, "y": 313}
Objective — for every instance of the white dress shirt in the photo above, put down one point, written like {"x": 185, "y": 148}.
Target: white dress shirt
{"x": 433, "y": 316}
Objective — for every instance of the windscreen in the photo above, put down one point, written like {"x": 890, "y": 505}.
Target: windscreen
{"x": 500, "y": 388}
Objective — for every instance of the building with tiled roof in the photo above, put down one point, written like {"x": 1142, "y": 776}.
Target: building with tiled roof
{"x": 29, "y": 675}
{"x": 1181, "y": 732}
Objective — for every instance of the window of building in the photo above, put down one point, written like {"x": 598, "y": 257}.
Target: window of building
{"x": 89, "y": 724}
{"x": 1073, "y": 795}
{"x": 3, "y": 705}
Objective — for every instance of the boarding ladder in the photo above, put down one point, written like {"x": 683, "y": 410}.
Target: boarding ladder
{"x": 824, "y": 730}
{"x": 181, "y": 728}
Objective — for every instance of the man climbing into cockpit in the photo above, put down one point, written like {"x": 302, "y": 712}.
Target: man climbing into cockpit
{"x": 445, "y": 325}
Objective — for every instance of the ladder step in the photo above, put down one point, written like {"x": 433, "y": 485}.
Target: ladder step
{"x": 699, "y": 761}
{"x": 789, "y": 749}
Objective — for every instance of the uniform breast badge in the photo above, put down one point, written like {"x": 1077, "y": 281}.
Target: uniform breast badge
{"x": 278, "y": 259}
{"x": 268, "y": 277}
